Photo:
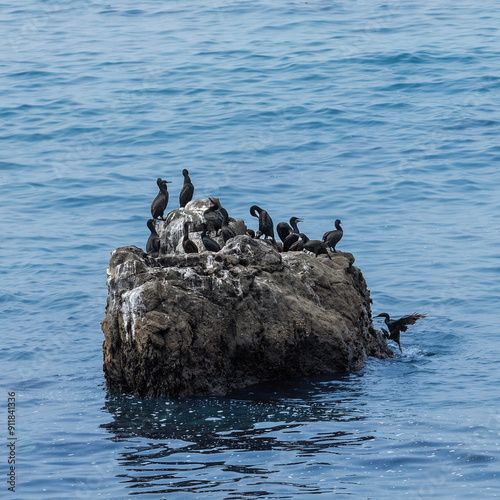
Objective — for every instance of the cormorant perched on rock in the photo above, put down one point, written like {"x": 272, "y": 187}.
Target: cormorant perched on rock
{"x": 331, "y": 238}
{"x": 298, "y": 246}
{"x": 266, "y": 226}
{"x": 214, "y": 215}
{"x": 188, "y": 245}
{"x": 223, "y": 212}
{"x": 251, "y": 233}
{"x": 186, "y": 194}
{"x": 153, "y": 243}
{"x": 161, "y": 201}
{"x": 226, "y": 231}
{"x": 210, "y": 244}
{"x": 284, "y": 229}
{"x": 317, "y": 247}
{"x": 289, "y": 241}
{"x": 398, "y": 325}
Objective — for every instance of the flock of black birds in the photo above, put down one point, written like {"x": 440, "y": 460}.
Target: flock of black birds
{"x": 217, "y": 220}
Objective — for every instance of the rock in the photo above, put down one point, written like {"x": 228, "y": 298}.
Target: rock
{"x": 209, "y": 323}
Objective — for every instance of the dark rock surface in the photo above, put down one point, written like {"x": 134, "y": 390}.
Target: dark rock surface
{"x": 209, "y": 323}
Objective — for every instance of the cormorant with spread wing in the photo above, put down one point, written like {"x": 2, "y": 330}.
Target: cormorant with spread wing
{"x": 397, "y": 326}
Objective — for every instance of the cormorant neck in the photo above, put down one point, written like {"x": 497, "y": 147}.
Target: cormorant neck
{"x": 386, "y": 318}
{"x": 293, "y": 223}
{"x": 253, "y": 209}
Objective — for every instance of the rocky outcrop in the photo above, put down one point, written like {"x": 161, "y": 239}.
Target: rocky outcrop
{"x": 209, "y": 323}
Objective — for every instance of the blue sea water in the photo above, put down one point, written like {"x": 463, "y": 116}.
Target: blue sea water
{"x": 383, "y": 114}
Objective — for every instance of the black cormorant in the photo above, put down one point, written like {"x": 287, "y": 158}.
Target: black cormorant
{"x": 251, "y": 233}
{"x": 284, "y": 229}
{"x": 153, "y": 243}
{"x": 331, "y": 238}
{"x": 398, "y": 325}
{"x": 214, "y": 216}
{"x": 223, "y": 212}
{"x": 226, "y": 231}
{"x": 289, "y": 241}
{"x": 210, "y": 244}
{"x": 186, "y": 194}
{"x": 188, "y": 245}
{"x": 161, "y": 201}
{"x": 266, "y": 226}
{"x": 298, "y": 246}
{"x": 317, "y": 247}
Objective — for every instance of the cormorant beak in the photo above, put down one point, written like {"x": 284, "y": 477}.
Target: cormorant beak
{"x": 168, "y": 182}
{"x": 300, "y": 220}
{"x": 378, "y": 316}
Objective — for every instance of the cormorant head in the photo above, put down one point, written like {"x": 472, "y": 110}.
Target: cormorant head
{"x": 296, "y": 219}
{"x": 214, "y": 203}
{"x": 337, "y": 223}
{"x": 185, "y": 172}
{"x": 159, "y": 181}
{"x": 383, "y": 315}
{"x": 163, "y": 185}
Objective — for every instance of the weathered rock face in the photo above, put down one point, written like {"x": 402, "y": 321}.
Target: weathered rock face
{"x": 182, "y": 325}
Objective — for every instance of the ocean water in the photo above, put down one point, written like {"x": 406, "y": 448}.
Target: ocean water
{"x": 383, "y": 114}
